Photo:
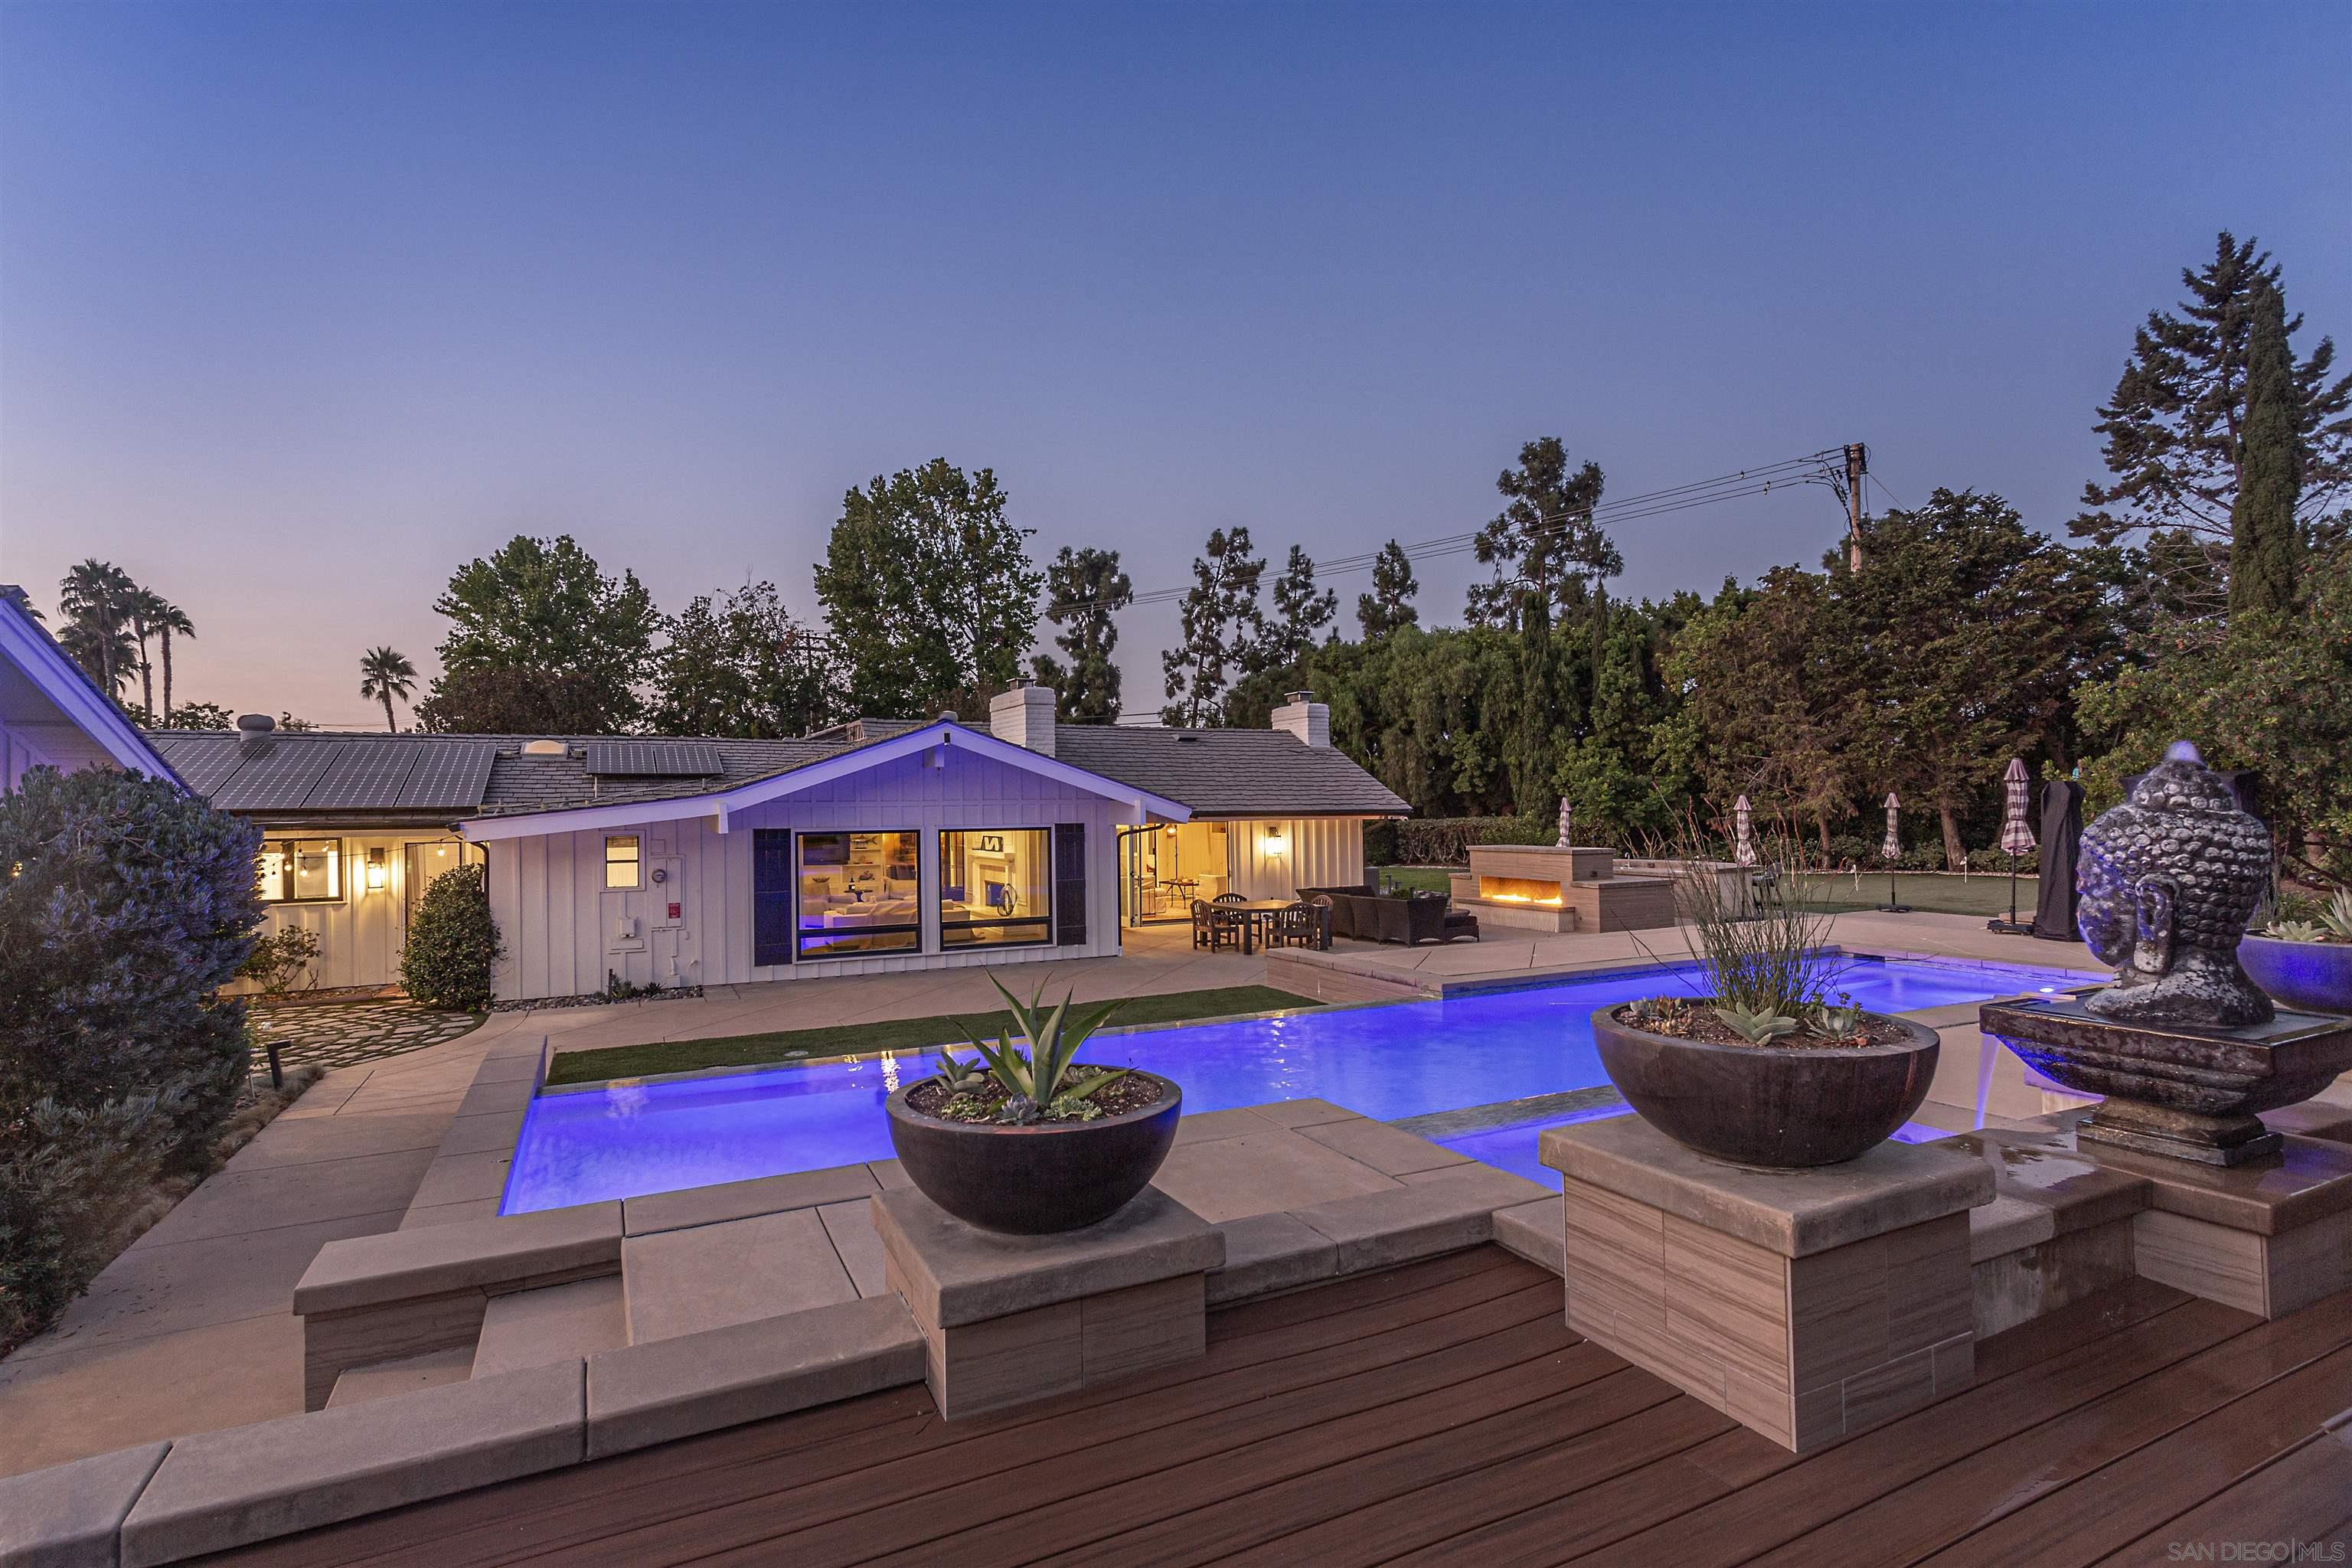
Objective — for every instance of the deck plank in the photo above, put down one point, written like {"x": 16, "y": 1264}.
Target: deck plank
{"x": 1998, "y": 1479}
{"x": 1442, "y": 1412}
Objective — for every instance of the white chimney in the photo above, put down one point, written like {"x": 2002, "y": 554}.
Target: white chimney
{"x": 1023, "y": 716}
{"x": 1304, "y": 717}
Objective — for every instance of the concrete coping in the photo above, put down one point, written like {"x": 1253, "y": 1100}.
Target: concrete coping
{"x": 1794, "y": 1213}
{"x": 954, "y": 1273}
{"x": 67, "y": 1515}
{"x": 221, "y": 1490}
{"x": 2307, "y": 1181}
{"x": 368, "y": 1271}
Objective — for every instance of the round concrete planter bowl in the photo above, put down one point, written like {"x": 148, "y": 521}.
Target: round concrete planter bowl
{"x": 2306, "y": 976}
{"x": 1038, "y": 1179}
{"x": 1765, "y": 1105}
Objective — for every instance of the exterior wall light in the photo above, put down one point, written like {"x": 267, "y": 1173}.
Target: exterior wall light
{"x": 1276, "y": 845}
{"x": 375, "y": 870}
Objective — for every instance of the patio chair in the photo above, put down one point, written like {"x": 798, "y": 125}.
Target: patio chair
{"x": 1213, "y": 928}
{"x": 1296, "y": 926}
{"x": 1229, "y": 898}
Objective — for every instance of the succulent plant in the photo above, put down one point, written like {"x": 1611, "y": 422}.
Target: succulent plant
{"x": 2338, "y": 916}
{"x": 1840, "y": 1022}
{"x": 1039, "y": 1079}
{"x": 1760, "y": 1029}
{"x": 960, "y": 1077}
{"x": 2295, "y": 931}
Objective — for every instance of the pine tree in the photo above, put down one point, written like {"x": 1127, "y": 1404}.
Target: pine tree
{"x": 1223, "y": 626}
{"x": 1084, "y": 588}
{"x": 1546, "y": 539}
{"x": 1389, "y": 603}
{"x": 2176, "y": 425}
{"x": 2266, "y": 544}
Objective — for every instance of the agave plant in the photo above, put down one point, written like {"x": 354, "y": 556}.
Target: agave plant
{"x": 1039, "y": 1079}
{"x": 2295, "y": 931}
{"x": 2333, "y": 924}
{"x": 1760, "y": 1027}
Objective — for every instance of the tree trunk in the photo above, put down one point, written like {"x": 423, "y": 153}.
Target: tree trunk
{"x": 1952, "y": 850}
{"x": 389, "y": 721}
{"x": 167, "y": 674}
{"x": 1822, "y": 820}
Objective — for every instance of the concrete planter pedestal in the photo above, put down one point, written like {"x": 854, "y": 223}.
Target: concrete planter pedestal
{"x": 1010, "y": 1319}
{"x": 1807, "y": 1305}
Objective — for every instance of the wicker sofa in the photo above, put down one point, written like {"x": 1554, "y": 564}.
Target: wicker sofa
{"x": 1366, "y": 914}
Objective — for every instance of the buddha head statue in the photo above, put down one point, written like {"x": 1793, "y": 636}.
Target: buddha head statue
{"x": 2169, "y": 881}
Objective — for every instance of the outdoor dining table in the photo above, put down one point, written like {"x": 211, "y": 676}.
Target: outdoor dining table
{"x": 1250, "y": 911}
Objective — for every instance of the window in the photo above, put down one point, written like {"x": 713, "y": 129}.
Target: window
{"x": 301, "y": 871}
{"x": 859, "y": 893}
{"x": 621, "y": 860}
{"x": 996, "y": 889}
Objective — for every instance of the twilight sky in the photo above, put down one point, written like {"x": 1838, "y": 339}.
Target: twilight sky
{"x": 300, "y": 306}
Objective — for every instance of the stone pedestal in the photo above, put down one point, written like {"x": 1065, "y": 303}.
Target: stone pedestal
{"x": 2174, "y": 1090}
{"x": 1009, "y": 1319}
{"x": 1806, "y": 1305}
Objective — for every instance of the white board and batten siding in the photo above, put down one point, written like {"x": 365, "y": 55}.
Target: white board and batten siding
{"x": 562, "y": 924}
{"x": 1317, "y": 852}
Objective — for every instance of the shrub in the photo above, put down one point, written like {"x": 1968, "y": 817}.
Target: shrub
{"x": 130, "y": 905}
{"x": 280, "y": 961}
{"x": 69, "y": 1182}
{"x": 1447, "y": 840}
{"x": 453, "y": 942}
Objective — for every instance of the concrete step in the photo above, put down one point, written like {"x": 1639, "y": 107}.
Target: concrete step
{"x": 556, "y": 1322}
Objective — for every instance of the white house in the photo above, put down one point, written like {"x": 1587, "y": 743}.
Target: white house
{"x": 873, "y": 846}
{"x": 52, "y": 714}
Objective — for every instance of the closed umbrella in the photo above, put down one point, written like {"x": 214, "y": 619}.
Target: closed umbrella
{"x": 1564, "y": 839}
{"x": 1743, "y": 842}
{"x": 1891, "y": 851}
{"x": 2016, "y": 839}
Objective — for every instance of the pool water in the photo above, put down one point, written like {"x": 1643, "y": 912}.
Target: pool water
{"x": 1387, "y": 1062}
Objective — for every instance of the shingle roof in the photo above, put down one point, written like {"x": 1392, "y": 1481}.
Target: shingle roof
{"x": 1229, "y": 772}
{"x": 359, "y": 777}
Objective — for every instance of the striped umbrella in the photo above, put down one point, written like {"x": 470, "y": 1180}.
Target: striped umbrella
{"x": 1564, "y": 839}
{"x": 1743, "y": 842}
{"x": 1893, "y": 849}
{"x": 2016, "y": 833}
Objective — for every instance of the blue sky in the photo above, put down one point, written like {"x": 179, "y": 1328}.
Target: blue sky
{"x": 300, "y": 306}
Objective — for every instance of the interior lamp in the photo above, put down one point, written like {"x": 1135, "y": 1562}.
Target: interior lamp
{"x": 375, "y": 870}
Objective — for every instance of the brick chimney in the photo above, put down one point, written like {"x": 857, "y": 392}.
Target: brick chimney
{"x": 1304, "y": 717}
{"x": 1023, "y": 716}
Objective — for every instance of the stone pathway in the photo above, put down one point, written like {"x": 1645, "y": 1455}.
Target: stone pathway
{"x": 343, "y": 1034}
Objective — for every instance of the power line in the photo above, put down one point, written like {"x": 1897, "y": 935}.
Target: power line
{"x": 1813, "y": 469}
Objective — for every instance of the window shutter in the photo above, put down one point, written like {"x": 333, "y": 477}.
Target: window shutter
{"x": 1069, "y": 884}
{"x": 771, "y": 896}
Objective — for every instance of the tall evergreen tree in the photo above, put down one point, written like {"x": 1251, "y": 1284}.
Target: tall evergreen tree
{"x": 1085, "y": 589}
{"x": 2176, "y": 425}
{"x": 1223, "y": 627}
{"x": 2265, "y": 543}
{"x": 1545, "y": 540}
{"x": 1389, "y": 603}
{"x": 1303, "y": 613}
{"x": 930, "y": 599}
{"x": 1538, "y": 716}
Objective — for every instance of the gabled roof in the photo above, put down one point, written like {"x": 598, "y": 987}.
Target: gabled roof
{"x": 615, "y": 810}
{"x": 358, "y": 777}
{"x": 44, "y": 691}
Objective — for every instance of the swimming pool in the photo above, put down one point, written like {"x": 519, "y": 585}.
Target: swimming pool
{"x": 1402, "y": 1060}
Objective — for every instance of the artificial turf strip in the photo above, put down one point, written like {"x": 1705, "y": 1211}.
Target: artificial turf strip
{"x": 889, "y": 1034}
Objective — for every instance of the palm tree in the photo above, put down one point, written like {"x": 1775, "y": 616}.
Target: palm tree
{"x": 22, "y": 601}
{"x": 386, "y": 675}
{"x": 143, "y": 606}
{"x": 95, "y": 595}
{"x": 167, "y": 618}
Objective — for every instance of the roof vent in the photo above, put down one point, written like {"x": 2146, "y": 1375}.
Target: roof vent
{"x": 256, "y": 724}
{"x": 544, "y": 749}
{"x": 949, "y": 717}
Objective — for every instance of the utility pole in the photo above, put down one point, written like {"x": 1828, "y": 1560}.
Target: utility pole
{"x": 1857, "y": 463}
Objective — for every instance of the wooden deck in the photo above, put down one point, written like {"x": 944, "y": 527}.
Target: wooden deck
{"x": 1442, "y": 1412}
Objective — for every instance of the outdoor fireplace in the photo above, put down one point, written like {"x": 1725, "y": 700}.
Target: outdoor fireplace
{"x": 1556, "y": 889}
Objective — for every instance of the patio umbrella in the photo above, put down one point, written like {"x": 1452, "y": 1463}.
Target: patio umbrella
{"x": 2016, "y": 839}
{"x": 1890, "y": 852}
{"x": 1564, "y": 839}
{"x": 1743, "y": 840}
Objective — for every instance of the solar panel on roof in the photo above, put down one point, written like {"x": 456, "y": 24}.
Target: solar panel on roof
{"x": 450, "y": 774}
{"x": 368, "y": 774}
{"x": 204, "y": 763}
{"x": 281, "y": 779}
{"x": 660, "y": 759}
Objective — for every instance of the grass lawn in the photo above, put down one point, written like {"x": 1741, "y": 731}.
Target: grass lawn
{"x": 890, "y": 1034}
{"x": 1985, "y": 894}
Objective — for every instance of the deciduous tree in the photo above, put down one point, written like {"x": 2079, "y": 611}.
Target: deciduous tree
{"x": 742, "y": 666}
{"x": 540, "y": 640}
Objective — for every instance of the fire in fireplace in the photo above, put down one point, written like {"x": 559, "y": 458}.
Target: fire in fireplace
{"x": 1520, "y": 891}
